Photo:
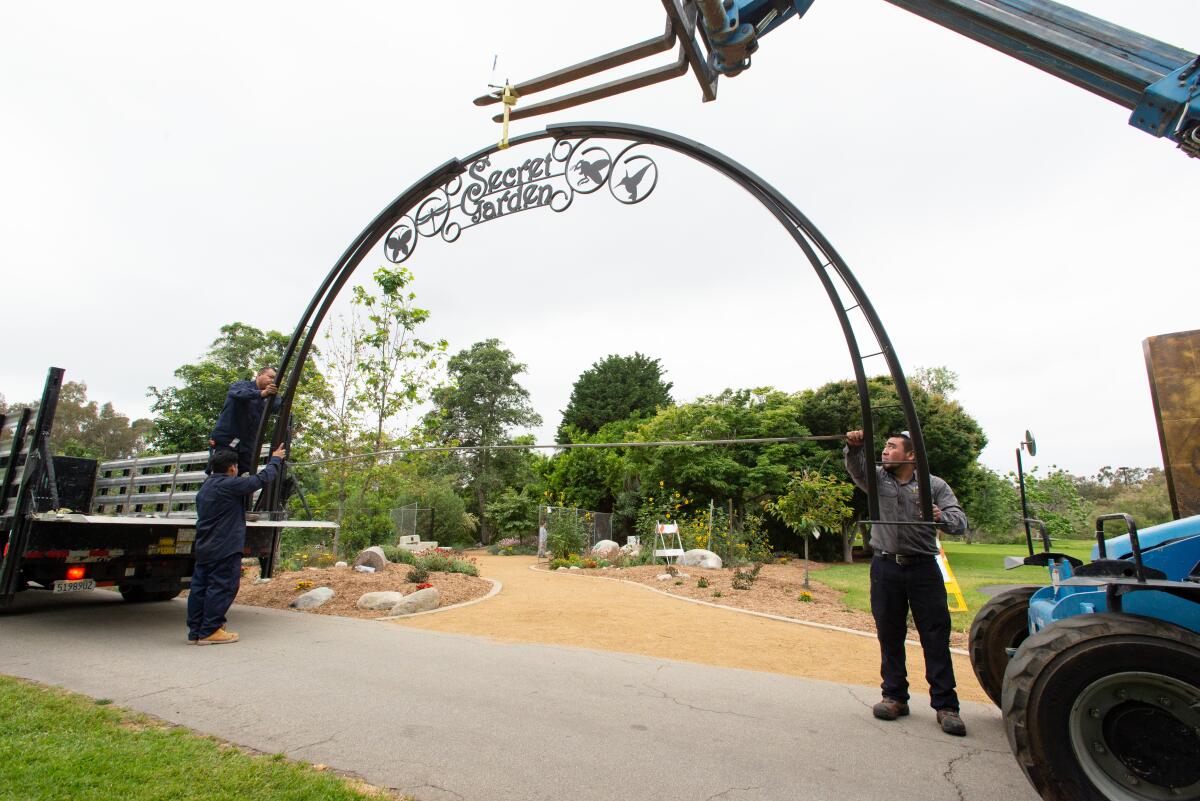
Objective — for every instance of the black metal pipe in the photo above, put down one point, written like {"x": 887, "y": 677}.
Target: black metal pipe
{"x": 1134, "y": 543}
{"x": 1024, "y": 504}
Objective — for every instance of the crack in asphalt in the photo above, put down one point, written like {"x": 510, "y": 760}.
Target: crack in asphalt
{"x": 411, "y": 788}
{"x": 724, "y": 793}
{"x": 168, "y": 689}
{"x": 948, "y": 774}
{"x": 314, "y": 744}
{"x": 666, "y": 696}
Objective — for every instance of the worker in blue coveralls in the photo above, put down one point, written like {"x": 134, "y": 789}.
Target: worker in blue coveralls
{"x": 220, "y": 541}
{"x": 238, "y": 423}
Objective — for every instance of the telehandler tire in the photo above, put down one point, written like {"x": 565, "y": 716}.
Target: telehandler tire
{"x": 1002, "y": 623}
{"x": 1107, "y": 707}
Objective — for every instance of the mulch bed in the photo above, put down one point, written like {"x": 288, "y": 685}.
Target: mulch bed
{"x": 349, "y": 585}
{"x": 776, "y": 592}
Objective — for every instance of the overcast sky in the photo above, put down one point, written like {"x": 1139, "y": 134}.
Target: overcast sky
{"x": 167, "y": 168}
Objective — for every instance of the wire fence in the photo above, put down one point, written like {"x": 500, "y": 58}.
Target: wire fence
{"x": 413, "y": 520}
{"x": 597, "y": 525}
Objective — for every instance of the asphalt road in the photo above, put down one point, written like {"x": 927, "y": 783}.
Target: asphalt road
{"x": 445, "y": 716}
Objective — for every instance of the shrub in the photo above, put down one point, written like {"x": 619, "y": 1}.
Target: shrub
{"x": 588, "y": 564}
{"x": 716, "y": 593}
{"x": 565, "y": 534}
{"x": 805, "y": 597}
{"x": 401, "y": 556}
{"x": 702, "y": 582}
{"x": 679, "y": 583}
{"x": 464, "y": 566}
{"x": 418, "y": 575}
{"x": 555, "y": 564}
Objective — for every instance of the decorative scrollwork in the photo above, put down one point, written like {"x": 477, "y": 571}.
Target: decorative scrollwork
{"x": 572, "y": 167}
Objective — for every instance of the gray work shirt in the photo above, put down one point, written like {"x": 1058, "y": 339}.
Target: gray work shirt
{"x": 902, "y": 502}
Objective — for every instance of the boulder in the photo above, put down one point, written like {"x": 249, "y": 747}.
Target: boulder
{"x": 698, "y": 557}
{"x": 340, "y": 564}
{"x": 605, "y": 548}
{"x": 419, "y": 601}
{"x": 371, "y": 557}
{"x": 379, "y": 600}
{"x": 312, "y": 599}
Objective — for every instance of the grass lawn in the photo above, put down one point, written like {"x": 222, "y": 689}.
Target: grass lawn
{"x": 974, "y": 566}
{"x": 60, "y": 746}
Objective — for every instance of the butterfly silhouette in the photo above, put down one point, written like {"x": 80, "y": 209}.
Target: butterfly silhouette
{"x": 592, "y": 170}
{"x": 632, "y": 181}
{"x": 400, "y": 245}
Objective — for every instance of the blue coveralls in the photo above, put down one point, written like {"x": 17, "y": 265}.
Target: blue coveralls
{"x": 220, "y": 540}
{"x": 238, "y": 423}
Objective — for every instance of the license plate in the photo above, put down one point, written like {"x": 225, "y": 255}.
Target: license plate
{"x": 75, "y": 586}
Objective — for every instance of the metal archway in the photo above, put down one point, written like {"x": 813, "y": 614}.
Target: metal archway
{"x": 822, "y": 257}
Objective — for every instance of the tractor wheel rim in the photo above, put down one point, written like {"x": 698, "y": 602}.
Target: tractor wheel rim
{"x": 1137, "y": 736}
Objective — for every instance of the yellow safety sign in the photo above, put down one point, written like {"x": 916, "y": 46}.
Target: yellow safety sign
{"x": 953, "y": 591}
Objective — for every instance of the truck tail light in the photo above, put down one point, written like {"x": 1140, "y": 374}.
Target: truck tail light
{"x": 75, "y": 573}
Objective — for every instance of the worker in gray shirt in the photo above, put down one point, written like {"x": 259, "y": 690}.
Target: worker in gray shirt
{"x": 905, "y": 575}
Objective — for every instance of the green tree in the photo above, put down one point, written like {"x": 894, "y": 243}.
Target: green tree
{"x": 992, "y": 504}
{"x": 187, "y": 411}
{"x": 1055, "y": 500}
{"x": 513, "y": 513}
{"x": 814, "y": 503}
{"x": 395, "y": 365}
{"x": 93, "y": 430}
{"x": 612, "y": 389}
{"x": 481, "y": 405}
{"x": 935, "y": 380}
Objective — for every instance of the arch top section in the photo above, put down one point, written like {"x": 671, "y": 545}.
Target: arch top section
{"x": 584, "y": 158}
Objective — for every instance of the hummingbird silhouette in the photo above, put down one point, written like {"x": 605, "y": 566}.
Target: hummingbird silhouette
{"x": 400, "y": 245}
{"x": 592, "y": 170}
{"x": 632, "y": 181}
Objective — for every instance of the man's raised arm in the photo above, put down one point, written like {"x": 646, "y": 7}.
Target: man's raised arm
{"x": 856, "y": 460}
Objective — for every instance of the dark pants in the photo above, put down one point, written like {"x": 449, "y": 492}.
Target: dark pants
{"x": 214, "y": 586}
{"x": 245, "y": 458}
{"x": 894, "y": 590}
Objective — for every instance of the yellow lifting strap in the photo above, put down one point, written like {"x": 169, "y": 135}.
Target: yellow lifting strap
{"x": 509, "y": 98}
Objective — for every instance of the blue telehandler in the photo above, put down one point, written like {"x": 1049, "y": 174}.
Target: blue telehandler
{"x": 1098, "y": 674}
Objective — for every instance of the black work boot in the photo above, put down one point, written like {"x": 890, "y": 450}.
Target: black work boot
{"x": 890, "y": 709}
{"x": 951, "y": 723}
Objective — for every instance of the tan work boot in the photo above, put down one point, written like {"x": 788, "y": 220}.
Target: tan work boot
{"x": 951, "y": 723}
{"x": 218, "y": 637}
{"x": 889, "y": 709}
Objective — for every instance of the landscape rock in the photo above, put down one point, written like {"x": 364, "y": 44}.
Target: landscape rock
{"x": 419, "y": 601}
{"x": 371, "y": 557}
{"x": 379, "y": 600}
{"x": 605, "y": 548}
{"x": 262, "y": 581}
{"x": 340, "y": 564}
{"x": 312, "y": 599}
{"x": 364, "y": 569}
{"x": 698, "y": 557}
{"x": 665, "y": 576}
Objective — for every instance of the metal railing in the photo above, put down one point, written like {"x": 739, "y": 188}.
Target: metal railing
{"x": 159, "y": 485}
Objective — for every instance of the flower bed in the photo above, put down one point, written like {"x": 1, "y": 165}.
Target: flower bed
{"x": 349, "y": 585}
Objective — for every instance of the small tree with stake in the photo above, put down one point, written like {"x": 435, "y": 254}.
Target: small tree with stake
{"x": 814, "y": 503}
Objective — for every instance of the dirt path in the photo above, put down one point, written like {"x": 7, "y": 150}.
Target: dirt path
{"x": 587, "y": 612}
